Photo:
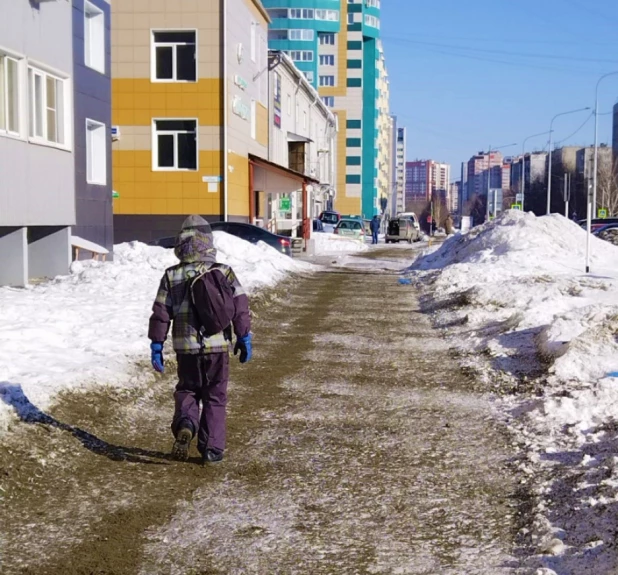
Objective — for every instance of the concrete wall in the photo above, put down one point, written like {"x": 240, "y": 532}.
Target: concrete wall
{"x": 93, "y": 100}
{"x": 37, "y": 181}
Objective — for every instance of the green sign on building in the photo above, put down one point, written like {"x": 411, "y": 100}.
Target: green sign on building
{"x": 285, "y": 204}
{"x": 602, "y": 213}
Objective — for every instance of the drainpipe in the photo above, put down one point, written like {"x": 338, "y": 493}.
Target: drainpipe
{"x": 226, "y": 171}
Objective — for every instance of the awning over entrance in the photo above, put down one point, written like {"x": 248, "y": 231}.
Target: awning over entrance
{"x": 271, "y": 178}
{"x": 292, "y": 137}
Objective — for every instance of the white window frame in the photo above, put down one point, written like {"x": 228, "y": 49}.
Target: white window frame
{"x": 6, "y": 131}
{"x": 173, "y": 45}
{"x": 309, "y": 75}
{"x": 253, "y": 119}
{"x": 254, "y": 27}
{"x": 301, "y": 34}
{"x": 327, "y": 36}
{"x": 92, "y": 152}
{"x": 327, "y": 15}
{"x": 94, "y": 34}
{"x": 155, "y": 145}
{"x": 327, "y": 80}
{"x": 65, "y": 109}
{"x": 327, "y": 59}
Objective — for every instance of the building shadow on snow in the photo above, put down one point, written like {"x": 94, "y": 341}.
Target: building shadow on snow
{"x": 14, "y": 396}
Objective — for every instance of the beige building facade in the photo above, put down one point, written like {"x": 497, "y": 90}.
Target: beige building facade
{"x": 190, "y": 106}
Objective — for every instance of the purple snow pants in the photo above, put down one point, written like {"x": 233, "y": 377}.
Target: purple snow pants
{"x": 202, "y": 378}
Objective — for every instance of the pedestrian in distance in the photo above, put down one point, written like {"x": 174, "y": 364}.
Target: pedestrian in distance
{"x": 375, "y": 229}
{"x": 205, "y": 304}
{"x": 448, "y": 225}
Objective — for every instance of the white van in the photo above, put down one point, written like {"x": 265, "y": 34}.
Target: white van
{"x": 410, "y": 216}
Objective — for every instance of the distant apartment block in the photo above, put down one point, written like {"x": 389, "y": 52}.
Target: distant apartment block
{"x": 426, "y": 178}
{"x": 336, "y": 45}
{"x": 399, "y": 162}
{"x": 534, "y": 167}
{"x": 480, "y": 167}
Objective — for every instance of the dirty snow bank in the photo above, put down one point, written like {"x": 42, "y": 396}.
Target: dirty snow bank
{"x": 518, "y": 289}
{"x": 91, "y": 325}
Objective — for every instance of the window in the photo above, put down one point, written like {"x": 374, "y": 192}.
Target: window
{"x": 309, "y": 75}
{"x": 301, "y": 55}
{"x": 328, "y": 101}
{"x": 253, "y": 119}
{"x": 372, "y": 3}
{"x": 173, "y": 56}
{"x": 9, "y": 95}
{"x": 327, "y": 60}
{"x": 327, "y": 80}
{"x": 94, "y": 37}
{"x": 301, "y": 14}
{"x": 96, "y": 153}
{"x": 47, "y": 118}
{"x": 350, "y": 18}
{"x": 174, "y": 145}
{"x": 254, "y": 26}
{"x": 328, "y": 39}
{"x": 277, "y": 13}
{"x": 372, "y": 21}
{"x": 277, "y": 34}
{"x": 300, "y": 34}
{"x": 330, "y": 15}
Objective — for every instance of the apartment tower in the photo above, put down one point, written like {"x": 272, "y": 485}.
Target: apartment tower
{"x": 336, "y": 44}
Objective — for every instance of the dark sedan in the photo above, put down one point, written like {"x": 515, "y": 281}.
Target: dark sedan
{"x": 247, "y": 232}
{"x": 254, "y": 234}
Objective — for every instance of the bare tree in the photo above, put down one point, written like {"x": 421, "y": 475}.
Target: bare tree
{"x": 607, "y": 186}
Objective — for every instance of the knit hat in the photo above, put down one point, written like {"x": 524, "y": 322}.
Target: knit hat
{"x": 198, "y": 222}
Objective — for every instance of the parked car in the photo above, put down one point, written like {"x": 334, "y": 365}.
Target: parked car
{"x": 609, "y": 233}
{"x": 350, "y": 228}
{"x": 598, "y": 223}
{"x": 329, "y": 220}
{"x": 252, "y": 234}
{"x": 402, "y": 230}
{"x": 411, "y": 216}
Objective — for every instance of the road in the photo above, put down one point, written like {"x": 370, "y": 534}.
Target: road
{"x": 356, "y": 446}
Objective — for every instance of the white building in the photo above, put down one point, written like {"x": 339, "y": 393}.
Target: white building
{"x": 302, "y": 138}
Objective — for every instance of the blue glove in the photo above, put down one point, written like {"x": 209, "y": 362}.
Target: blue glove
{"x": 243, "y": 344}
{"x": 156, "y": 356}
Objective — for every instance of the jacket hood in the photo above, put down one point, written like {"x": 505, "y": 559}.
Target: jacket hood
{"x": 196, "y": 244}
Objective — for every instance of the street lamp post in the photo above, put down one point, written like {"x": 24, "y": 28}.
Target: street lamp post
{"x": 489, "y": 177}
{"x": 596, "y": 138}
{"x": 551, "y": 125}
{"x": 523, "y": 167}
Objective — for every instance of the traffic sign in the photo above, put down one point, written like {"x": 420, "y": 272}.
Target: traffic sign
{"x": 519, "y": 198}
{"x": 516, "y": 207}
{"x": 602, "y": 213}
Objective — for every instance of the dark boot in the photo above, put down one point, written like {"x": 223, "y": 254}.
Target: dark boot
{"x": 212, "y": 456}
{"x": 180, "y": 449}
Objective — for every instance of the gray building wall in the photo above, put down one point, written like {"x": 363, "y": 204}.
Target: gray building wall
{"x": 93, "y": 100}
{"x": 37, "y": 185}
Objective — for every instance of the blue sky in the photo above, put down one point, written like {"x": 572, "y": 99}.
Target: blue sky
{"x": 466, "y": 75}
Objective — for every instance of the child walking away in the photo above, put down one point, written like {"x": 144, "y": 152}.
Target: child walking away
{"x": 207, "y": 305}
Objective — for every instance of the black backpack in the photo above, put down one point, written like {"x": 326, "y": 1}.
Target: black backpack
{"x": 212, "y": 297}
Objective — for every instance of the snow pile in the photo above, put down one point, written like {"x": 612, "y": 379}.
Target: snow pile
{"x": 532, "y": 269}
{"x": 518, "y": 286}
{"x": 333, "y": 244}
{"x": 90, "y": 326}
